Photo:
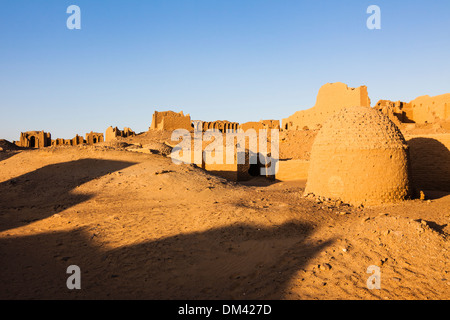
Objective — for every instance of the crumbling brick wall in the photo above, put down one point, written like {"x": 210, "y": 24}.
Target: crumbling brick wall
{"x": 169, "y": 120}
{"x": 114, "y": 133}
{"x": 332, "y": 97}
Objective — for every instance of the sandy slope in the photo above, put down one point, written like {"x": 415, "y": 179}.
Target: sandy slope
{"x": 139, "y": 226}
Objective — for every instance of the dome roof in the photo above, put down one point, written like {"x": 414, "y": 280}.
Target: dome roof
{"x": 360, "y": 128}
{"x": 360, "y": 157}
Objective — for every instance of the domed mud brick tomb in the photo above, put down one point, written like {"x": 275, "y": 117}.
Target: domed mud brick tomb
{"x": 359, "y": 157}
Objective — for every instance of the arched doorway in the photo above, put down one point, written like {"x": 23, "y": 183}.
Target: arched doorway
{"x": 32, "y": 142}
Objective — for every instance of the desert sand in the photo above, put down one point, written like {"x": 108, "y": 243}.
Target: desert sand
{"x": 141, "y": 227}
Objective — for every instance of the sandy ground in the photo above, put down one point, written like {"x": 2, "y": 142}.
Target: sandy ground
{"x": 141, "y": 227}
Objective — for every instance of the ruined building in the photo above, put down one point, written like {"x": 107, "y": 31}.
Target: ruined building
{"x": 61, "y": 142}
{"x": 114, "y": 133}
{"x": 271, "y": 124}
{"x": 169, "y": 120}
{"x": 78, "y": 140}
{"x": 424, "y": 109}
{"x": 261, "y": 125}
{"x": 94, "y": 137}
{"x": 332, "y": 98}
{"x": 221, "y": 125}
{"x": 359, "y": 157}
{"x": 398, "y": 112}
{"x": 197, "y": 125}
{"x": 236, "y": 171}
{"x": 35, "y": 139}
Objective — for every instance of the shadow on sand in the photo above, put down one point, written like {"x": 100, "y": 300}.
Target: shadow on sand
{"x": 48, "y": 190}
{"x": 7, "y": 154}
{"x": 234, "y": 262}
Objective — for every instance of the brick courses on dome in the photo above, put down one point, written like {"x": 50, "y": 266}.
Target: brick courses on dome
{"x": 359, "y": 157}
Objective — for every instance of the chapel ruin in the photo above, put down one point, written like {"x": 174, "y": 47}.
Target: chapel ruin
{"x": 94, "y": 137}
{"x": 360, "y": 157}
{"x": 34, "y": 139}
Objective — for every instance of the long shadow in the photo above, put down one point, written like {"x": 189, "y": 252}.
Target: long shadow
{"x": 437, "y": 227}
{"x": 430, "y": 164}
{"x": 259, "y": 182}
{"x": 7, "y": 154}
{"x": 233, "y": 262}
{"x": 48, "y": 190}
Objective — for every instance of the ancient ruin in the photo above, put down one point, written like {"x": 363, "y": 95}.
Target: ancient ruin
{"x": 78, "y": 140}
{"x": 261, "y": 125}
{"x": 398, "y": 112}
{"x": 35, "y": 139}
{"x": 424, "y": 109}
{"x": 114, "y": 133}
{"x": 61, "y": 142}
{"x": 197, "y": 125}
{"x": 94, "y": 137}
{"x": 271, "y": 124}
{"x": 251, "y": 125}
{"x": 238, "y": 170}
{"x": 359, "y": 157}
{"x": 169, "y": 120}
{"x": 220, "y": 125}
{"x": 332, "y": 98}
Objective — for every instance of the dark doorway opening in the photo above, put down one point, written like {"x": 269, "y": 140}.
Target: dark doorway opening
{"x": 254, "y": 170}
{"x": 32, "y": 142}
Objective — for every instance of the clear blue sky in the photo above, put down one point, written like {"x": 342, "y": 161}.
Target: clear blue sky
{"x": 239, "y": 60}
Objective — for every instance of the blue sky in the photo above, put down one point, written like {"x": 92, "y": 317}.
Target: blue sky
{"x": 237, "y": 60}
